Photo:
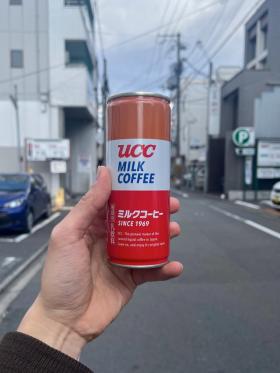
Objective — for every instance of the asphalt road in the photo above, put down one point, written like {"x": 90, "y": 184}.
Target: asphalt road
{"x": 15, "y": 248}
{"x": 221, "y": 316}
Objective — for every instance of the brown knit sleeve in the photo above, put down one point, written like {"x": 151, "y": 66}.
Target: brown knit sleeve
{"x": 21, "y": 353}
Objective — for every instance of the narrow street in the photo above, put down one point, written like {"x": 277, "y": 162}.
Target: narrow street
{"x": 221, "y": 315}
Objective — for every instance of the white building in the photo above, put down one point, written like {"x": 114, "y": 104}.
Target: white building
{"x": 193, "y": 120}
{"x": 200, "y": 118}
{"x": 47, "y": 52}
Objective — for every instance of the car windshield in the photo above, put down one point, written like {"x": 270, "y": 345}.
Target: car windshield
{"x": 13, "y": 183}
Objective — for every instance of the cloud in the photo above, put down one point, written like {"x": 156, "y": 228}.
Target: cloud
{"x": 142, "y": 63}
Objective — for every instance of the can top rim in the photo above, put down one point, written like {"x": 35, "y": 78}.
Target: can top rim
{"x": 137, "y": 93}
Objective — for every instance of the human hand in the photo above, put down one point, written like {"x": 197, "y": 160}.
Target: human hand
{"x": 81, "y": 292}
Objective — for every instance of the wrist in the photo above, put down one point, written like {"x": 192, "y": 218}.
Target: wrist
{"x": 55, "y": 334}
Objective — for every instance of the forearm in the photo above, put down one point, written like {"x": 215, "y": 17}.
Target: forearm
{"x": 22, "y": 353}
{"x": 41, "y": 345}
{"x": 56, "y": 335}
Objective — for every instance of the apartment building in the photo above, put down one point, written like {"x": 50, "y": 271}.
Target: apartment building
{"x": 48, "y": 88}
{"x": 251, "y": 99}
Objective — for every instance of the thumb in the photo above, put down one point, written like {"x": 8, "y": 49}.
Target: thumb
{"x": 82, "y": 215}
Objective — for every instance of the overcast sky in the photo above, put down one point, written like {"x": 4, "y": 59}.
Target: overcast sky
{"x": 144, "y": 63}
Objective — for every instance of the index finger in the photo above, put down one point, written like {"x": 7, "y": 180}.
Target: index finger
{"x": 174, "y": 205}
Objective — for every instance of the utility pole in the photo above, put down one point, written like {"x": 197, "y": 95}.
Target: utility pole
{"x": 178, "y": 73}
{"x": 178, "y": 93}
{"x": 208, "y": 127}
{"x": 210, "y": 82}
{"x": 14, "y": 100}
{"x": 105, "y": 93}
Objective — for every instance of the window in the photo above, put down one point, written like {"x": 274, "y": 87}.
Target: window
{"x": 263, "y": 38}
{"x": 252, "y": 43}
{"x": 15, "y": 2}
{"x": 252, "y": 48}
{"x": 76, "y": 53}
{"x": 17, "y": 58}
{"x": 73, "y": 2}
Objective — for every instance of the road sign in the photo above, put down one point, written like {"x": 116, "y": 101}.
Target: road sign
{"x": 44, "y": 149}
{"x": 244, "y": 137}
{"x": 58, "y": 167}
{"x": 268, "y": 154}
{"x": 268, "y": 173}
{"x": 245, "y": 152}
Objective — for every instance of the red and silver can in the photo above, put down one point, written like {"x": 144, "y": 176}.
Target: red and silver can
{"x": 138, "y": 154}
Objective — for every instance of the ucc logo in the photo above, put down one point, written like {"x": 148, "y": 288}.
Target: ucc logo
{"x": 135, "y": 151}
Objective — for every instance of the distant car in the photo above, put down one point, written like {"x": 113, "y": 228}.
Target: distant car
{"x": 275, "y": 194}
{"x": 23, "y": 200}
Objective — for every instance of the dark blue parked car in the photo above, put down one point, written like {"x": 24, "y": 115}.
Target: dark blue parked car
{"x": 23, "y": 200}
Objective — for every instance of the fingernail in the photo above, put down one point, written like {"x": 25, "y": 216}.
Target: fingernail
{"x": 98, "y": 172}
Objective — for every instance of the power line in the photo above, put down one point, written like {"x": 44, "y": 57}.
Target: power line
{"x": 99, "y": 28}
{"x": 156, "y": 50}
{"x": 158, "y": 80}
{"x": 149, "y": 69}
{"x": 195, "y": 69}
{"x": 225, "y": 40}
{"x": 27, "y": 75}
{"x": 229, "y": 37}
{"x": 212, "y": 28}
{"x": 151, "y": 31}
{"x": 159, "y": 60}
{"x": 217, "y": 22}
{"x": 209, "y": 44}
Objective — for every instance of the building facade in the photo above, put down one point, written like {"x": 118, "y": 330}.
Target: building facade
{"x": 48, "y": 77}
{"x": 193, "y": 131}
{"x": 248, "y": 100}
{"x": 200, "y": 117}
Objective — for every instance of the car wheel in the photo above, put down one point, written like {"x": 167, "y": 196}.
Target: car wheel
{"x": 29, "y": 222}
{"x": 48, "y": 210}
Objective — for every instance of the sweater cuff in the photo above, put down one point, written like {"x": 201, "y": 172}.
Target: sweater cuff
{"x": 21, "y": 353}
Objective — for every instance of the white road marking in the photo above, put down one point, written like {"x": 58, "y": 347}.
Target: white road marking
{"x": 8, "y": 240}
{"x": 66, "y": 208}
{"x": 7, "y": 261}
{"x": 17, "y": 288}
{"x": 182, "y": 194}
{"x": 11, "y": 277}
{"x": 251, "y": 223}
{"x": 36, "y": 228}
{"x": 247, "y": 204}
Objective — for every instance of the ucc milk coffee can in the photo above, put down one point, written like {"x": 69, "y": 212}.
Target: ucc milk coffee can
{"x": 138, "y": 155}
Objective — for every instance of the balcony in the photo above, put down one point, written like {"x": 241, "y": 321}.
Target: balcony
{"x": 82, "y": 9}
{"x": 85, "y": 3}
{"x": 73, "y": 87}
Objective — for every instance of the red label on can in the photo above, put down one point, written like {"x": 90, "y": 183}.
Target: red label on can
{"x": 138, "y": 224}
{"x": 138, "y": 214}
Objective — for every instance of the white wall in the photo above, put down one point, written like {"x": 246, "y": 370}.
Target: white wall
{"x": 68, "y": 85}
{"x": 34, "y": 122}
{"x": 37, "y": 120}
{"x": 267, "y": 114}
{"x": 193, "y": 120}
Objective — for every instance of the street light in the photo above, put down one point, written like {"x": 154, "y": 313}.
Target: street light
{"x": 14, "y": 100}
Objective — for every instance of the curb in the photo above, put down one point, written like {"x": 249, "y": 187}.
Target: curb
{"x": 179, "y": 193}
{"x": 12, "y": 277}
